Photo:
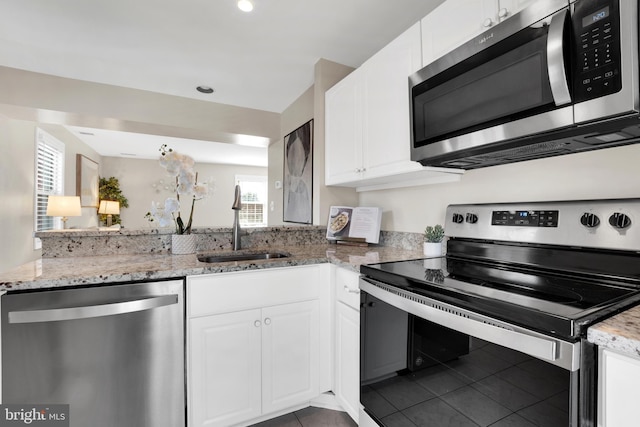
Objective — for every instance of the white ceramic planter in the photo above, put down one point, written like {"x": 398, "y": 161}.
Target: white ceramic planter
{"x": 182, "y": 244}
{"x": 432, "y": 249}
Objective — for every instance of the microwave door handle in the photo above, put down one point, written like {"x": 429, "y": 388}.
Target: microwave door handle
{"x": 555, "y": 59}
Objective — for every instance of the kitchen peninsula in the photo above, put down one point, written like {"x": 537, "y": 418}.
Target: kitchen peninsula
{"x": 91, "y": 257}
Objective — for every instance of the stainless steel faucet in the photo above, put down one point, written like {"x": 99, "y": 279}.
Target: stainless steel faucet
{"x": 237, "y": 205}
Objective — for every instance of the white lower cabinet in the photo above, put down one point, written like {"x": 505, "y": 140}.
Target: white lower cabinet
{"x": 347, "y": 342}
{"x": 256, "y": 348}
{"x": 347, "y": 382}
{"x": 226, "y": 370}
{"x": 619, "y": 376}
{"x": 289, "y": 355}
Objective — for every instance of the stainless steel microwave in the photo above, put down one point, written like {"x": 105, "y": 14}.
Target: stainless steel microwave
{"x": 556, "y": 78}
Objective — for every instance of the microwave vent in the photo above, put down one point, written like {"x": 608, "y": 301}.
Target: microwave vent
{"x": 548, "y": 148}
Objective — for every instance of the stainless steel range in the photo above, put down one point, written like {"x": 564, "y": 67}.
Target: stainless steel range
{"x": 494, "y": 334}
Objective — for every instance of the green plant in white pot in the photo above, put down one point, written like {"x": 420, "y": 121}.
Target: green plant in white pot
{"x": 433, "y": 236}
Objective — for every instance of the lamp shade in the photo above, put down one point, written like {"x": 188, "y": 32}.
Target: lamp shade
{"x": 63, "y": 206}
{"x": 109, "y": 207}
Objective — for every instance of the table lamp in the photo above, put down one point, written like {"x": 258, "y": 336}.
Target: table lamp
{"x": 64, "y": 206}
{"x": 109, "y": 208}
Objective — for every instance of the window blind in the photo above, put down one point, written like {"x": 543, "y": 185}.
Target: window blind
{"x": 49, "y": 177}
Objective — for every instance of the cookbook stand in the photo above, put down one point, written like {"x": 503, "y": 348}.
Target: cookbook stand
{"x": 354, "y": 226}
{"x": 352, "y": 241}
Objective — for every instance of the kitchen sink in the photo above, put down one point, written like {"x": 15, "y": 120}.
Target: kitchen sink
{"x": 241, "y": 256}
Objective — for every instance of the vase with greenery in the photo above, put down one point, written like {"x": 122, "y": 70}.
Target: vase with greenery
{"x": 433, "y": 236}
{"x": 109, "y": 189}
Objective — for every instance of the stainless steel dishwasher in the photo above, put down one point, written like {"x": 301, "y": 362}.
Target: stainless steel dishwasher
{"x": 115, "y": 354}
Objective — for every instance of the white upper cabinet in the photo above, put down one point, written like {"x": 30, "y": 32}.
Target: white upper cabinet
{"x": 367, "y": 120}
{"x": 385, "y": 118}
{"x": 456, "y": 21}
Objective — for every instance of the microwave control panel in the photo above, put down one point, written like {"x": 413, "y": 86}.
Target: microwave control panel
{"x": 597, "y": 41}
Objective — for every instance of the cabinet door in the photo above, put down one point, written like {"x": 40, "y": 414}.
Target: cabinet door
{"x": 225, "y": 370}
{"x": 508, "y": 8}
{"x": 290, "y": 354}
{"x": 347, "y": 381}
{"x": 343, "y": 130}
{"x": 386, "y": 133}
{"x": 453, "y": 23}
{"x": 618, "y": 396}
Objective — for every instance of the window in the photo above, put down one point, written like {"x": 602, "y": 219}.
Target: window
{"x": 49, "y": 179}
{"x": 254, "y": 200}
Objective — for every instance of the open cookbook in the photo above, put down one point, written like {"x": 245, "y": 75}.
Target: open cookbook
{"x": 354, "y": 224}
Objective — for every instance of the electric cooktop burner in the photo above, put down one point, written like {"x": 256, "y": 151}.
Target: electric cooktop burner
{"x": 546, "y": 301}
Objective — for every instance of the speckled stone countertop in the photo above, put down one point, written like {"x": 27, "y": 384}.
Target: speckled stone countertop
{"x": 620, "y": 333}
{"x": 84, "y": 270}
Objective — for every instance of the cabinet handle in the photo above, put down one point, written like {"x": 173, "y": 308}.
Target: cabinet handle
{"x": 267, "y": 321}
{"x": 351, "y": 291}
{"x": 257, "y": 323}
{"x": 487, "y": 23}
{"x": 358, "y": 170}
{"x": 503, "y": 13}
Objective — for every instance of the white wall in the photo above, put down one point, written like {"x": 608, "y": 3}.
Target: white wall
{"x": 136, "y": 177}
{"x": 608, "y": 173}
{"x": 17, "y": 187}
{"x": 17, "y": 144}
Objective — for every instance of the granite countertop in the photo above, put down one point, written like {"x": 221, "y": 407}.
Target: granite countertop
{"x": 84, "y": 270}
{"x": 620, "y": 333}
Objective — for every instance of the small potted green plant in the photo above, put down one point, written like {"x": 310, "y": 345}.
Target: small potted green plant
{"x": 433, "y": 236}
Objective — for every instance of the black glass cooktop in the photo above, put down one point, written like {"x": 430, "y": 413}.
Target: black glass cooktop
{"x": 548, "y": 301}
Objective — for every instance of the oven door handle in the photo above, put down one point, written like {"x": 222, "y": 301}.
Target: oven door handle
{"x": 479, "y": 326}
{"x": 555, "y": 59}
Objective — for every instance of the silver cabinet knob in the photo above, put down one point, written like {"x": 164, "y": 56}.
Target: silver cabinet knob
{"x": 502, "y": 13}
{"x": 257, "y": 323}
{"x": 487, "y": 23}
{"x": 267, "y": 321}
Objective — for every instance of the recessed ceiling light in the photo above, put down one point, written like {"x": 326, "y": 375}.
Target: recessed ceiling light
{"x": 245, "y": 5}
{"x": 204, "y": 89}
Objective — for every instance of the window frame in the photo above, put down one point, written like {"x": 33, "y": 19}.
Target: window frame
{"x": 57, "y": 149}
{"x": 263, "y": 179}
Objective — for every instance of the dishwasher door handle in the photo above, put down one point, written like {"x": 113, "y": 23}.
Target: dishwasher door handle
{"x": 89, "y": 311}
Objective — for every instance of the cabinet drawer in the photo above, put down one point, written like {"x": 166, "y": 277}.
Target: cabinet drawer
{"x": 347, "y": 287}
{"x": 228, "y": 292}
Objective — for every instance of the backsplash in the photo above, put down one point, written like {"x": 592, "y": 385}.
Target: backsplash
{"x": 74, "y": 243}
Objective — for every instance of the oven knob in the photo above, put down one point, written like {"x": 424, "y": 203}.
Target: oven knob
{"x": 471, "y": 218}
{"x": 619, "y": 220}
{"x": 590, "y": 220}
{"x": 457, "y": 218}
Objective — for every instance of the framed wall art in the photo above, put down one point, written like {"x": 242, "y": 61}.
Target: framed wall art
{"x": 298, "y": 175}
{"x": 87, "y": 181}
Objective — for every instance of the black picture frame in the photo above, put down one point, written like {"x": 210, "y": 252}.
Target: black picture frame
{"x": 298, "y": 175}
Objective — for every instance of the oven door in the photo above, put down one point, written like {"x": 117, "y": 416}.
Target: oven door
{"x": 516, "y": 86}
{"x": 471, "y": 370}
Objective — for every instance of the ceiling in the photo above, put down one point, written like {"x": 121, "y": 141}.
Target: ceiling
{"x": 263, "y": 59}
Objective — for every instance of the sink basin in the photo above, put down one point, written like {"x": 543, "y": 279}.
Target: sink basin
{"x": 241, "y": 256}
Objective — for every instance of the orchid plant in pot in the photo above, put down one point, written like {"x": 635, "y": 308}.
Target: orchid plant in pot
{"x": 180, "y": 167}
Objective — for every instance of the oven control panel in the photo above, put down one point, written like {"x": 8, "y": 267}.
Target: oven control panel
{"x": 525, "y": 218}
{"x": 606, "y": 224}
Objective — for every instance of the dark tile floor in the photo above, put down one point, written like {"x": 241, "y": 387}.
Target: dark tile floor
{"x": 310, "y": 417}
{"x": 489, "y": 386}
